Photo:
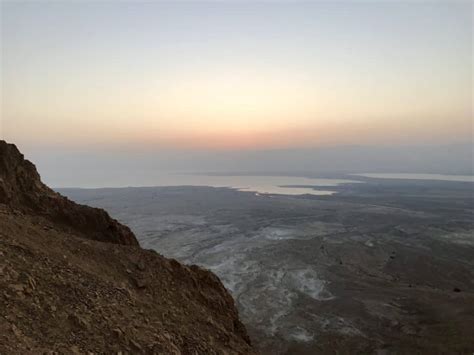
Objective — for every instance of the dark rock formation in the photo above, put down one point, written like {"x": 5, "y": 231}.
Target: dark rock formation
{"x": 21, "y": 188}
{"x": 63, "y": 290}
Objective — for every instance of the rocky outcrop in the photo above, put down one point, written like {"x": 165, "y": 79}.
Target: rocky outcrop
{"x": 63, "y": 290}
{"x": 21, "y": 188}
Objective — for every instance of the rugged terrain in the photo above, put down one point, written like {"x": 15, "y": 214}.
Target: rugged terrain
{"x": 73, "y": 280}
{"x": 384, "y": 266}
{"x": 21, "y": 189}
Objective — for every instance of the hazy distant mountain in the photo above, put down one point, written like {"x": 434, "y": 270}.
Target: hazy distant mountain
{"x": 129, "y": 166}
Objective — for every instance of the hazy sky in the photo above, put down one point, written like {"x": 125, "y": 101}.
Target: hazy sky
{"x": 236, "y": 75}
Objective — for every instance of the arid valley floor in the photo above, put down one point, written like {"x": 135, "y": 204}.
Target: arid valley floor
{"x": 382, "y": 266}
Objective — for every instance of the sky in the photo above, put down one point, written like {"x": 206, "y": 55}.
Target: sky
{"x": 235, "y": 76}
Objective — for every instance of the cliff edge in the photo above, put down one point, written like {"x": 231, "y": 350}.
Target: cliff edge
{"x": 21, "y": 188}
{"x": 73, "y": 280}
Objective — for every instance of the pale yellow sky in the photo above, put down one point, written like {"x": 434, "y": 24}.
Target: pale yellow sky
{"x": 236, "y": 76}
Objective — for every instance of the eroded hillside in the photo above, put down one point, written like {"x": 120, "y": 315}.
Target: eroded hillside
{"x": 73, "y": 280}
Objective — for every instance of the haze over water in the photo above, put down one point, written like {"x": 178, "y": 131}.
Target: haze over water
{"x": 262, "y": 184}
{"x": 287, "y": 185}
{"x": 442, "y": 177}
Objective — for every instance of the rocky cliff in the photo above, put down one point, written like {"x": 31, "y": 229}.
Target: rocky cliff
{"x": 22, "y": 189}
{"x": 73, "y": 280}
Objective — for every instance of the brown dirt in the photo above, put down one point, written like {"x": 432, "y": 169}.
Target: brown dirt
{"x": 64, "y": 290}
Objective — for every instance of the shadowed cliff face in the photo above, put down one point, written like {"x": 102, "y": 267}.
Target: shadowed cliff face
{"x": 21, "y": 188}
{"x": 74, "y": 281}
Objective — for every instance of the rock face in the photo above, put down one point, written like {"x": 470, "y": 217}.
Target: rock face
{"x": 62, "y": 289}
{"x": 21, "y": 188}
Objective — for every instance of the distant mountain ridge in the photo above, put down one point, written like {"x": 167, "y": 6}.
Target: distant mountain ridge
{"x": 111, "y": 167}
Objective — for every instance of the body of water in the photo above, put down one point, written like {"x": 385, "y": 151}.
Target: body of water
{"x": 414, "y": 176}
{"x": 286, "y": 185}
{"x": 263, "y": 184}
{"x": 268, "y": 184}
